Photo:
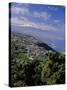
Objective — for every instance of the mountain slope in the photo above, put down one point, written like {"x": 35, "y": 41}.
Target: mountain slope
{"x": 34, "y": 63}
{"x": 33, "y": 48}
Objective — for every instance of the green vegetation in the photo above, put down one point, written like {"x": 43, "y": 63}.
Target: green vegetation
{"x": 26, "y": 72}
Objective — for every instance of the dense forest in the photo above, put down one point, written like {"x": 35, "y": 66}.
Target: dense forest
{"x": 31, "y": 64}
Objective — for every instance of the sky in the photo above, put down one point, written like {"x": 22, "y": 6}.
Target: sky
{"x": 49, "y": 18}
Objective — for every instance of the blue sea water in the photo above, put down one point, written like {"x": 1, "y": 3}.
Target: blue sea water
{"x": 50, "y": 38}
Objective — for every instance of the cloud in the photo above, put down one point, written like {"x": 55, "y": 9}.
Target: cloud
{"x": 24, "y": 11}
{"x": 43, "y": 15}
{"x": 53, "y": 8}
{"x": 18, "y": 10}
{"x": 27, "y": 23}
{"x": 57, "y": 21}
{"x": 20, "y": 22}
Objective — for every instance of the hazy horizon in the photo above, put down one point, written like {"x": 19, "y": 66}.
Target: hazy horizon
{"x": 44, "y": 22}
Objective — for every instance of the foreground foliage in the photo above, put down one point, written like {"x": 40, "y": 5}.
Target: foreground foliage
{"x": 26, "y": 72}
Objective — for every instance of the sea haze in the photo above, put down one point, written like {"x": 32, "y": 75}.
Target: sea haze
{"x": 50, "y": 38}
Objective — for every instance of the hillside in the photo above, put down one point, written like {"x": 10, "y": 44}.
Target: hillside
{"x": 29, "y": 45}
{"x": 34, "y": 63}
